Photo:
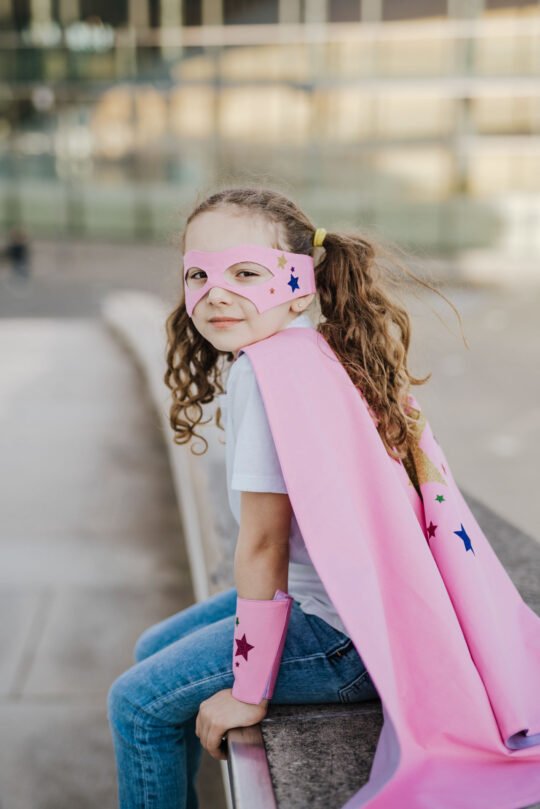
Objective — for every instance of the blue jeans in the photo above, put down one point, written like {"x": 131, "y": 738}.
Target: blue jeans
{"x": 185, "y": 659}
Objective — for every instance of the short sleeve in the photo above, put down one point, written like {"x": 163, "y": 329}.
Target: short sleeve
{"x": 256, "y": 466}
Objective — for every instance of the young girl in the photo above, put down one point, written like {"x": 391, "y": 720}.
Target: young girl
{"x": 253, "y": 264}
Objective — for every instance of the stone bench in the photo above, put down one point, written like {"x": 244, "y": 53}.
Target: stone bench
{"x": 281, "y": 763}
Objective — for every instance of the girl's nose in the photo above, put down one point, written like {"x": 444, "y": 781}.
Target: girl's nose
{"x": 216, "y": 294}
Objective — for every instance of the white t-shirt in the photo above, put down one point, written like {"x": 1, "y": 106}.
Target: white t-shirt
{"x": 253, "y": 465}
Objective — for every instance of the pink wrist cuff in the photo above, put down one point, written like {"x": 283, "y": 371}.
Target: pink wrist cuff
{"x": 259, "y": 637}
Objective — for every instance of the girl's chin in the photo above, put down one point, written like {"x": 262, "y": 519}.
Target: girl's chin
{"x": 229, "y": 346}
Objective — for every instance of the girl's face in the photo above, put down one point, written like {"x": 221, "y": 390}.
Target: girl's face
{"x": 217, "y": 230}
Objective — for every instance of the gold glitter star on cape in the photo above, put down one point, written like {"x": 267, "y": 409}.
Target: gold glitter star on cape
{"x": 419, "y": 467}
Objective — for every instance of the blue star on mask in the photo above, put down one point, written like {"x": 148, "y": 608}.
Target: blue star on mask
{"x": 462, "y": 534}
{"x": 293, "y": 283}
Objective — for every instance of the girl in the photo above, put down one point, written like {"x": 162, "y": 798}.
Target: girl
{"x": 194, "y": 676}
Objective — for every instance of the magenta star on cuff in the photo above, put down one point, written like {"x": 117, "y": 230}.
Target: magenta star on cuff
{"x": 243, "y": 647}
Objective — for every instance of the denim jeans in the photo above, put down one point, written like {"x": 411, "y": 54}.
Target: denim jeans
{"x": 185, "y": 659}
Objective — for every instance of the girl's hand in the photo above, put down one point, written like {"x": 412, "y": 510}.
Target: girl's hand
{"x": 220, "y": 713}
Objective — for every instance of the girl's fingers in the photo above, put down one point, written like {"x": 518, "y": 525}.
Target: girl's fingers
{"x": 219, "y": 754}
{"x": 210, "y": 737}
{"x": 213, "y": 742}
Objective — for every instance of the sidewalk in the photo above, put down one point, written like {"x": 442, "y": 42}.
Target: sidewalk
{"x": 92, "y": 554}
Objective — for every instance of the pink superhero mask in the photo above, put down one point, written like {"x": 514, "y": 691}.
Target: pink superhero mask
{"x": 279, "y": 277}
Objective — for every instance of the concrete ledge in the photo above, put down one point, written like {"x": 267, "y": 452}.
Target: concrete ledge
{"x": 320, "y": 755}
{"x": 249, "y": 773}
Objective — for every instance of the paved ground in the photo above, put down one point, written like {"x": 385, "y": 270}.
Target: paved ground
{"x": 92, "y": 553}
{"x": 92, "y": 549}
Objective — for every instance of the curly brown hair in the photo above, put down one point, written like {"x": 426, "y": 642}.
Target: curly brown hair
{"x": 369, "y": 331}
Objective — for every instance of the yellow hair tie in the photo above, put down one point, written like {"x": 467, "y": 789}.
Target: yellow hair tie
{"x": 318, "y": 238}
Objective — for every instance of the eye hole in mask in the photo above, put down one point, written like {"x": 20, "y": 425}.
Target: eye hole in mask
{"x": 242, "y": 274}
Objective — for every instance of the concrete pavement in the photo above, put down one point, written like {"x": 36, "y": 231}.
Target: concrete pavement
{"x": 92, "y": 553}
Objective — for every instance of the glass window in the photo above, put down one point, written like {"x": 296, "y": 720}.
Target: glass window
{"x": 505, "y": 115}
{"x": 398, "y": 10}
{"x": 115, "y": 14}
{"x": 507, "y": 3}
{"x": 192, "y": 12}
{"x": 21, "y": 14}
{"x": 249, "y": 11}
{"x": 344, "y": 10}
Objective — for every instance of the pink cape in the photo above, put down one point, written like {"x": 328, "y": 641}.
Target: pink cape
{"x": 448, "y": 641}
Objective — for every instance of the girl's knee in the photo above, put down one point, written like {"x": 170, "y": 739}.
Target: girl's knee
{"x": 146, "y": 645}
{"x": 120, "y": 710}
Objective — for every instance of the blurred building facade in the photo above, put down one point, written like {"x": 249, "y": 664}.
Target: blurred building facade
{"x": 420, "y": 118}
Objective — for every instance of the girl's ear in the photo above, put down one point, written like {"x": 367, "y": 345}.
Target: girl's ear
{"x": 301, "y": 304}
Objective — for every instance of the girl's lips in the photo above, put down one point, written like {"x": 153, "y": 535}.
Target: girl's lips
{"x": 222, "y": 323}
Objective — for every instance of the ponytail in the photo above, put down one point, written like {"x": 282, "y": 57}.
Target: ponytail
{"x": 369, "y": 331}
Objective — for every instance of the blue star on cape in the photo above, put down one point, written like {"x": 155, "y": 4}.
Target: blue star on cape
{"x": 462, "y": 534}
